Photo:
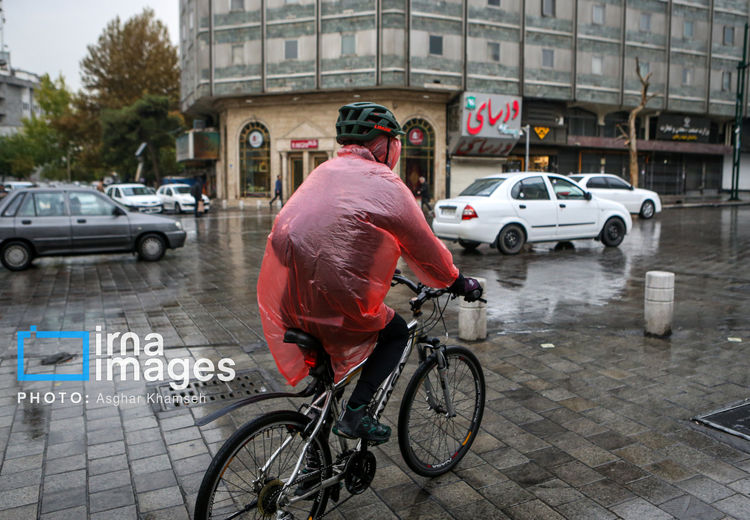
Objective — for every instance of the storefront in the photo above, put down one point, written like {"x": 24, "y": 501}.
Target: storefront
{"x": 289, "y": 136}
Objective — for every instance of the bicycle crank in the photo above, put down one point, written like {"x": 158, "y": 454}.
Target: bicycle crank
{"x": 359, "y": 472}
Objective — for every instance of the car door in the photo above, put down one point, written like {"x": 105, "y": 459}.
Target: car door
{"x": 43, "y": 219}
{"x": 96, "y": 226}
{"x": 576, "y": 216}
{"x": 622, "y": 192}
{"x": 169, "y": 199}
{"x": 532, "y": 202}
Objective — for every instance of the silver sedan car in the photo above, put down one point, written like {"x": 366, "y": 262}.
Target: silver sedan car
{"x": 70, "y": 221}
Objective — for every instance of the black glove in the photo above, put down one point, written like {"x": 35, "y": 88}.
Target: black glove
{"x": 469, "y": 288}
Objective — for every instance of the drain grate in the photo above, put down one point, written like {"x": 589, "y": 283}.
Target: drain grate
{"x": 734, "y": 420}
{"x": 163, "y": 397}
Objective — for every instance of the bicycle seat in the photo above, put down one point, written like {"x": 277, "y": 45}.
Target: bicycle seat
{"x": 303, "y": 340}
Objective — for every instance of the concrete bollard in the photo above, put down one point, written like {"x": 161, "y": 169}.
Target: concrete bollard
{"x": 658, "y": 303}
{"x": 223, "y": 203}
{"x": 242, "y": 204}
{"x": 257, "y": 205}
{"x": 472, "y": 318}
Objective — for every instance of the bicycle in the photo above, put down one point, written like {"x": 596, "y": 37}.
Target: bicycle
{"x": 280, "y": 465}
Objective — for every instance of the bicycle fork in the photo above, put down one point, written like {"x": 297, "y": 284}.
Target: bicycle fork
{"x": 442, "y": 363}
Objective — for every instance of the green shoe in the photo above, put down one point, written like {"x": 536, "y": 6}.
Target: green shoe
{"x": 355, "y": 423}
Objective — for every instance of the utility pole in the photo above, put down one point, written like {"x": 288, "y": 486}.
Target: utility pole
{"x": 738, "y": 111}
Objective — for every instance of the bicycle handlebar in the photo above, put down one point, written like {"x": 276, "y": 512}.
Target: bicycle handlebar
{"x": 425, "y": 293}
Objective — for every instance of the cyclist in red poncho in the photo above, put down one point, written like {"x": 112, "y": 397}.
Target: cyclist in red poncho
{"x": 330, "y": 257}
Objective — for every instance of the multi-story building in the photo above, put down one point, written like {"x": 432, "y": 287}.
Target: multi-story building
{"x": 16, "y": 96}
{"x": 270, "y": 75}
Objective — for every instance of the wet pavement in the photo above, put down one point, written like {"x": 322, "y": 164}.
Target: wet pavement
{"x": 597, "y": 426}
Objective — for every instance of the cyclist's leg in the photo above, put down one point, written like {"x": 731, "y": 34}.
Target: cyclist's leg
{"x": 384, "y": 358}
{"x": 355, "y": 422}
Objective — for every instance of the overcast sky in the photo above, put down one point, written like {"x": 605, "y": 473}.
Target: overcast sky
{"x": 51, "y": 35}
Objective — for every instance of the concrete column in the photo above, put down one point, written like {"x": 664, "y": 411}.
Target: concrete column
{"x": 286, "y": 184}
{"x": 472, "y": 318}
{"x": 658, "y": 305}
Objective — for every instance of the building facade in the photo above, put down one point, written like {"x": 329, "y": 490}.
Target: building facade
{"x": 16, "y": 96}
{"x": 270, "y": 75}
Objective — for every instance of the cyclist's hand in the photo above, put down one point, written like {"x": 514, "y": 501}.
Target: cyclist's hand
{"x": 469, "y": 288}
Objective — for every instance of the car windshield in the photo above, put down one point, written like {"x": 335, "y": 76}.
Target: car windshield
{"x": 181, "y": 189}
{"x": 138, "y": 190}
{"x": 483, "y": 187}
{"x": 576, "y": 178}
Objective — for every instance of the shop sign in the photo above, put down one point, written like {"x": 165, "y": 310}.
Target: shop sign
{"x": 304, "y": 144}
{"x": 541, "y": 132}
{"x": 490, "y": 124}
{"x": 255, "y": 139}
{"x": 416, "y": 136}
{"x": 683, "y": 128}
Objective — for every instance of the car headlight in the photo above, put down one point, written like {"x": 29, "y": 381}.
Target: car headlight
{"x": 178, "y": 225}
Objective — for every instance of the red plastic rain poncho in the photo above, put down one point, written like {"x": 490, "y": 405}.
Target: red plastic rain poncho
{"x": 330, "y": 257}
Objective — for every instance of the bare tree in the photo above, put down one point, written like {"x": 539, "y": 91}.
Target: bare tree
{"x": 630, "y": 135}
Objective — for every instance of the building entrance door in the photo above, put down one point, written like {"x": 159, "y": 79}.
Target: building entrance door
{"x": 318, "y": 159}
{"x": 296, "y": 170}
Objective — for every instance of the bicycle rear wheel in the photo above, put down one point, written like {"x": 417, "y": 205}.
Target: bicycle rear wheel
{"x": 431, "y": 442}
{"x": 232, "y": 486}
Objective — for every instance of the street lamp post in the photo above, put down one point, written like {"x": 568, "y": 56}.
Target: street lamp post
{"x": 526, "y": 130}
{"x": 739, "y": 109}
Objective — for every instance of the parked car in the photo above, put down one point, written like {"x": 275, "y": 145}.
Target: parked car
{"x": 508, "y": 210}
{"x": 64, "y": 221}
{"x": 645, "y": 203}
{"x": 135, "y": 197}
{"x": 17, "y": 185}
{"x": 177, "y": 197}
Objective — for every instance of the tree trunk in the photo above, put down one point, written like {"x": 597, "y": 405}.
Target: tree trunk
{"x": 632, "y": 147}
{"x": 154, "y": 154}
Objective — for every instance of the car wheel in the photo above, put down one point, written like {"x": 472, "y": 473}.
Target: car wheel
{"x": 16, "y": 256}
{"x": 613, "y": 232}
{"x": 151, "y": 248}
{"x": 469, "y": 245}
{"x": 647, "y": 209}
{"x": 511, "y": 239}
{"x": 177, "y": 207}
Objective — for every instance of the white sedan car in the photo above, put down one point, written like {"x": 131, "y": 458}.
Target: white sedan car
{"x": 177, "y": 198}
{"x": 135, "y": 197}
{"x": 510, "y": 209}
{"x": 645, "y": 203}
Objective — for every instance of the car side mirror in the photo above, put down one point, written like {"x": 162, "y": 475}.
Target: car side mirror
{"x": 587, "y": 195}
{"x": 631, "y": 188}
{"x": 118, "y": 211}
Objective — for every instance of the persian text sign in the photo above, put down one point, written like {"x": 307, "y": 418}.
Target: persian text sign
{"x": 304, "y": 144}
{"x": 683, "y": 128}
{"x": 490, "y": 124}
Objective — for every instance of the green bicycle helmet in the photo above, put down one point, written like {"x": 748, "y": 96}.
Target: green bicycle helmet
{"x": 364, "y": 121}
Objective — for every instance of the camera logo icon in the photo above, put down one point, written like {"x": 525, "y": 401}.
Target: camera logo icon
{"x": 75, "y": 335}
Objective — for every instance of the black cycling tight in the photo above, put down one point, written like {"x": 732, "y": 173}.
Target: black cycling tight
{"x": 384, "y": 358}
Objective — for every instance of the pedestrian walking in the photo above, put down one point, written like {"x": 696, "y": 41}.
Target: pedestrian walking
{"x": 277, "y": 193}
{"x": 197, "y": 192}
{"x": 423, "y": 192}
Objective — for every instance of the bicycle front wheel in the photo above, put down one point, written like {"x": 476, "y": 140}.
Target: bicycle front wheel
{"x": 234, "y": 485}
{"x": 431, "y": 441}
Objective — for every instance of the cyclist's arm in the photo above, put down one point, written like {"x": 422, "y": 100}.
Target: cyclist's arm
{"x": 425, "y": 254}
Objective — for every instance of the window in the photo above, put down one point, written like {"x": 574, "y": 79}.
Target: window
{"x": 27, "y": 208}
{"x": 728, "y": 35}
{"x": 726, "y": 81}
{"x": 136, "y": 191}
{"x": 548, "y": 58}
{"x": 687, "y": 29}
{"x": 687, "y": 76}
{"x": 617, "y": 184}
{"x": 436, "y": 45}
{"x": 348, "y": 45}
{"x": 532, "y": 188}
{"x": 238, "y": 54}
{"x": 482, "y": 187}
{"x": 597, "y": 64}
{"x": 493, "y": 51}
{"x": 13, "y": 206}
{"x": 237, "y": 5}
{"x": 493, "y": 3}
{"x": 290, "y": 49}
{"x": 548, "y": 7}
{"x": 645, "y": 68}
{"x": 88, "y": 203}
{"x": 645, "y": 24}
{"x": 565, "y": 190}
{"x": 190, "y": 21}
{"x": 50, "y": 204}
{"x": 597, "y": 14}
{"x": 597, "y": 182}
